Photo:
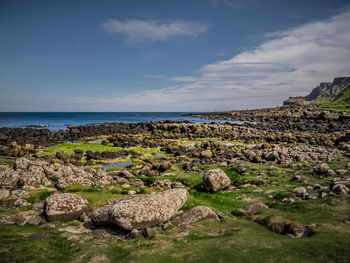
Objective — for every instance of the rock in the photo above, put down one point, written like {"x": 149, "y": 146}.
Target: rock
{"x": 149, "y": 232}
{"x": 215, "y": 180}
{"x": 8, "y": 178}
{"x": 20, "y": 194}
{"x": 255, "y": 208}
{"x": 18, "y": 219}
{"x": 162, "y": 184}
{"x": 342, "y": 172}
{"x": 284, "y": 226}
{"x": 34, "y": 221}
{"x": 340, "y": 189}
{"x": 48, "y": 226}
{"x": 162, "y": 165}
{"x": 62, "y": 155}
{"x": 21, "y": 203}
{"x": 4, "y": 193}
{"x": 137, "y": 183}
{"x": 39, "y": 206}
{"x": 206, "y": 154}
{"x": 194, "y": 215}
{"x": 299, "y": 191}
{"x": 21, "y": 163}
{"x": 103, "y": 235}
{"x": 321, "y": 168}
{"x": 139, "y": 211}
{"x": 65, "y": 207}
{"x": 135, "y": 233}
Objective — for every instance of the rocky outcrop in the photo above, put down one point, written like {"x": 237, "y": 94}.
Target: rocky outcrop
{"x": 215, "y": 180}
{"x": 139, "y": 211}
{"x": 65, "y": 207}
{"x": 255, "y": 208}
{"x": 29, "y": 175}
{"x": 194, "y": 215}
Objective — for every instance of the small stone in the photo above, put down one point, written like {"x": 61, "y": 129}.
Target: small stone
{"x": 34, "y": 221}
{"x": 321, "y": 168}
{"x": 299, "y": 191}
{"x": 132, "y": 192}
{"x": 4, "y": 193}
{"x": 38, "y": 206}
{"x": 48, "y": 226}
{"x": 255, "y": 208}
{"x": 149, "y": 232}
{"x": 21, "y": 203}
{"x": 135, "y": 233}
{"x": 340, "y": 189}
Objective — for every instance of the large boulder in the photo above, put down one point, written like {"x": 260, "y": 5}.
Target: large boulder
{"x": 215, "y": 180}
{"x": 65, "y": 207}
{"x": 139, "y": 211}
{"x": 8, "y": 178}
{"x": 194, "y": 215}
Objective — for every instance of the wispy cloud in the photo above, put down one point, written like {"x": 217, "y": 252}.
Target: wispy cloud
{"x": 229, "y": 3}
{"x": 153, "y": 30}
{"x": 288, "y": 63}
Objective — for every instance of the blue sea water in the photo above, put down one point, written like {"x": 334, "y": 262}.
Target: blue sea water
{"x": 61, "y": 120}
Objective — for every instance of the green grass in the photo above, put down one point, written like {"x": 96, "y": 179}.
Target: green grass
{"x": 16, "y": 247}
{"x": 39, "y": 195}
{"x": 97, "y": 196}
{"x": 341, "y": 102}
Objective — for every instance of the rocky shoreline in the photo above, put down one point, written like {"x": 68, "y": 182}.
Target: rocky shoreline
{"x": 169, "y": 175}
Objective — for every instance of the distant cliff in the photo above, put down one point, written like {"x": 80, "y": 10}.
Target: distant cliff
{"x": 326, "y": 92}
{"x": 329, "y": 90}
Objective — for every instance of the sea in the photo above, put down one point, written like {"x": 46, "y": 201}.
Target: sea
{"x": 56, "y": 121}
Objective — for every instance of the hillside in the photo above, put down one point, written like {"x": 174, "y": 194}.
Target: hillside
{"x": 330, "y": 95}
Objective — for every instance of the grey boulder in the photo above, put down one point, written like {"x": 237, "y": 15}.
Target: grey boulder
{"x": 140, "y": 211}
{"x": 65, "y": 207}
{"x": 215, "y": 180}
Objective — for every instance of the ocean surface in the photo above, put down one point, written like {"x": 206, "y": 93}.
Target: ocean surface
{"x": 55, "y": 121}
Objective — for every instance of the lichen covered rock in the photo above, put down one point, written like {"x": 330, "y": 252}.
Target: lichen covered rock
{"x": 65, "y": 207}
{"x": 194, "y": 215}
{"x": 139, "y": 211}
{"x": 215, "y": 180}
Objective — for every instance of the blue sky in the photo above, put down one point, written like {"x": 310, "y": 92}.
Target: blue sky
{"x": 203, "y": 55}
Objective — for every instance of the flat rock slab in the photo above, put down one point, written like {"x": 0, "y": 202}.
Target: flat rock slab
{"x": 65, "y": 207}
{"x": 194, "y": 215}
{"x": 255, "y": 208}
{"x": 139, "y": 211}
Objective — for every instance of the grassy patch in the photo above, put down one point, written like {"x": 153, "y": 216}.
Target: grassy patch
{"x": 39, "y": 195}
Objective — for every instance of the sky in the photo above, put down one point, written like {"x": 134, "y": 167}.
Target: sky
{"x": 192, "y": 55}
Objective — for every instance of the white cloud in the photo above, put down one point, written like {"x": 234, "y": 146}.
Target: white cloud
{"x": 229, "y": 3}
{"x": 153, "y": 30}
{"x": 288, "y": 63}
